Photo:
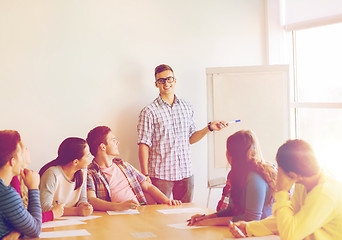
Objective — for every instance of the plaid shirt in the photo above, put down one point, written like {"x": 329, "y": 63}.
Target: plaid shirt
{"x": 97, "y": 181}
{"x": 224, "y": 202}
{"x": 166, "y": 130}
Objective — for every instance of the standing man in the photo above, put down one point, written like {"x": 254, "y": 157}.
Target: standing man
{"x": 166, "y": 129}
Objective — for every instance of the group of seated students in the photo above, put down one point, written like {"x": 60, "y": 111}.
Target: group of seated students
{"x": 65, "y": 187}
{"x": 299, "y": 200}
{"x": 72, "y": 184}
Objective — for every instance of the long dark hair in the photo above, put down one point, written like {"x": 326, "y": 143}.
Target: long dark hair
{"x": 246, "y": 156}
{"x": 70, "y": 149}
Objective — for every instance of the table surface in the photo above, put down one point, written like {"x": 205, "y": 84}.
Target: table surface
{"x": 149, "y": 220}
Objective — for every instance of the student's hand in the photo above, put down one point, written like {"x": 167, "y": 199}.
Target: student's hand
{"x": 14, "y": 235}
{"x": 240, "y": 225}
{"x": 85, "y": 209}
{"x": 197, "y": 218}
{"x": 216, "y": 221}
{"x": 130, "y": 204}
{"x": 218, "y": 125}
{"x": 31, "y": 179}
{"x": 174, "y": 202}
{"x": 58, "y": 210}
{"x": 284, "y": 182}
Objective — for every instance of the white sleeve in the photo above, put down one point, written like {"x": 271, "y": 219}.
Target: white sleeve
{"x": 83, "y": 195}
{"x": 47, "y": 189}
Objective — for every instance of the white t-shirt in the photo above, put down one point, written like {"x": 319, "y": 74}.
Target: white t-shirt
{"x": 55, "y": 187}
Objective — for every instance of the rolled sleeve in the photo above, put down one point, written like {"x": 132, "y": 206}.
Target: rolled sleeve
{"x": 192, "y": 122}
{"x": 145, "y": 128}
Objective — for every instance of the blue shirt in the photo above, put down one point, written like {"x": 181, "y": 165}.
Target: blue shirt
{"x": 255, "y": 200}
{"x": 13, "y": 214}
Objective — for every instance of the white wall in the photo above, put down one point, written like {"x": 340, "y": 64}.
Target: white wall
{"x": 68, "y": 66}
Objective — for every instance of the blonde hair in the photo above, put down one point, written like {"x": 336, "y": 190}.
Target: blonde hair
{"x": 23, "y": 192}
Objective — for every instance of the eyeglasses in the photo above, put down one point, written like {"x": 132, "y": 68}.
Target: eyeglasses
{"x": 163, "y": 80}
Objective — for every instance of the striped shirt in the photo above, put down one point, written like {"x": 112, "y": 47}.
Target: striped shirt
{"x": 98, "y": 182}
{"x": 16, "y": 184}
{"x": 166, "y": 130}
{"x": 13, "y": 214}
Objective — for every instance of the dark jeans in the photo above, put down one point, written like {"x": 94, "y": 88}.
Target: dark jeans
{"x": 181, "y": 190}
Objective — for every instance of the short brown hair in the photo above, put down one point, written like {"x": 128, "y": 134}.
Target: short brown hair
{"x": 97, "y": 136}
{"x": 9, "y": 140}
{"x": 162, "y": 68}
{"x": 297, "y": 156}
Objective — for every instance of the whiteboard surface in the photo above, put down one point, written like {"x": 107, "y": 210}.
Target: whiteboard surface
{"x": 259, "y": 97}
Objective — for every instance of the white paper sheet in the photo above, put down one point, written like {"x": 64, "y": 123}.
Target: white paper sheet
{"x": 271, "y": 237}
{"x": 61, "y": 223}
{"x": 58, "y": 234}
{"x": 184, "y": 225}
{"x": 143, "y": 235}
{"x": 181, "y": 210}
{"x": 78, "y": 218}
{"x": 129, "y": 211}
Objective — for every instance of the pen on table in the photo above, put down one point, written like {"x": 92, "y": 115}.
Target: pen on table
{"x": 198, "y": 216}
{"x": 236, "y": 228}
{"x": 140, "y": 204}
{"x": 235, "y": 121}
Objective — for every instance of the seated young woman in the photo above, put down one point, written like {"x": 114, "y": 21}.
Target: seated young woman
{"x": 252, "y": 184}
{"x": 63, "y": 180}
{"x": 18, "y": 184}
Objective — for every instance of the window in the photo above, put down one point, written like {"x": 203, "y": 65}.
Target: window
{"x": 317, "y": 101}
